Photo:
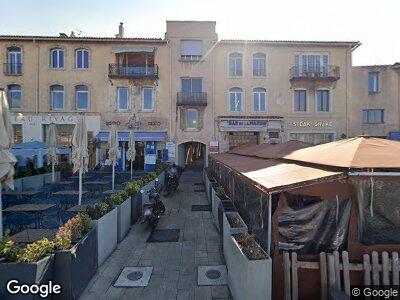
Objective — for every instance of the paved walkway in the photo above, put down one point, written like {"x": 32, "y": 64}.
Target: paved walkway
{"x": 175, "y": 264}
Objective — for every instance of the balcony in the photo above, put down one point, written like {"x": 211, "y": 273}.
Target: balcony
{"x": 132, "y": 71}
{"x": 12, "y": 69}
{"x": 192, "y": 99}
{"x": 322, "y": 73}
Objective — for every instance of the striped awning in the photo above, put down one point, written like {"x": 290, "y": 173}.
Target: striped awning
{"x": 142, "y": 136}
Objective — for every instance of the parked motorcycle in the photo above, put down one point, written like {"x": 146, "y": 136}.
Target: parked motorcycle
{"x": 172, "y": 180}
{"x": 154, "y": 207}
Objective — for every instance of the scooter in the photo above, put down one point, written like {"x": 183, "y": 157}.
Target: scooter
{"x": 154, "y": 208}
{"x": 172, "y": 183}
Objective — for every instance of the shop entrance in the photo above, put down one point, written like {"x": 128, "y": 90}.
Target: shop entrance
{"x": 191, "y": 154}
{"x": 238, "y": 138}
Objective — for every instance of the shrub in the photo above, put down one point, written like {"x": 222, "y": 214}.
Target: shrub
{"x": 63, "y": 238}
{"x": 36, "y": 251}
{"x": 124, "y": 195}
{"x": 74, "y": 225}
{"x": 96, "y": 211}
{"x": 86, "y": 222}
{"x": 73, "y": 230}
{"x": 117, "y": 199}
{"x": 132, "y": 188}
{"x": 160, "y": 168}
{"x": 220, "y": 191}
{"x": 8, "y": 249}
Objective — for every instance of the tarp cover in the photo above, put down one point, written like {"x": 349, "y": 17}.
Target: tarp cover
{"x": 311, "y": 226}
{"x": 270, "y": 150}
{"x": 272, "y": 174}
{"x": 358, "y": 152}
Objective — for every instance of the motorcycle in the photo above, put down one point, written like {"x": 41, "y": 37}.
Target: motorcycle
{"x": 154, "y": 208}
{"x": 172, "y": 182}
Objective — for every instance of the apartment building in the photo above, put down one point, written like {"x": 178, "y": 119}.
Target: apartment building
{"x": 190, "y": 94}
{"x": 375, "y": 103}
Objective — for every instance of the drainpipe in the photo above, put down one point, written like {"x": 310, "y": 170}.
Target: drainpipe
{"x": 269, "y": 224}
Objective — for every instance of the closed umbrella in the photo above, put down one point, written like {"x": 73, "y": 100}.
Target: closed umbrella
{"x": 52, "y": 144}
{"x": 113, "y": 151}
{"x": 7, "y": 159}
{"x": 80, "y": 154}
{"x": 131, "y": 153}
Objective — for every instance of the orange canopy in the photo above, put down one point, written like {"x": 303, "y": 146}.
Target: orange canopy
{"x": 270, "y": 150}
{"x": 358, "y": 152}
{"x": 273, "y": 175}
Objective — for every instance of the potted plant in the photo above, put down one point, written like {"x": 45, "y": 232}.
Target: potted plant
{"x": 105, "y": 220}
{"x": 249, "y": 270}
{"x": 133, "y": 189}
{"x": 33, "y": 264}
{"x": 75, "y": 256}
{"x": 123, "y": 203}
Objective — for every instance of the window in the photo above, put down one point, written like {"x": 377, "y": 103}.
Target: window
{"x": 81, "y": 97}
{"x": 81, "y": 59}
{"x": 14, "y": 96}
{"x": 235, "y": 64}
{"x": 373, "y": 116}
{"x": 323, "y": 101}
{"x": 273, "y": 134}
{"x": 57, "y": 97}
{"x": 192, "y": 118}
{"x": 122, "y": 98}
{"x": 191, "y": 50}
{"x": 17, "y": 130}
{"x": 64, "y": 133}
{"x": 259, "y": 100}
{"x": 259, "y": 64}
{"x": 373, "y": 82}
{"x": 300, "y": 100}
{"x": 57, "y": 59}
{"x": 147, "y": 98}
{"x": 311, "y": 64}
{"x": 14, "y": 61}
{"x": 235, "y": 99}
{"x": 313, "y": 138}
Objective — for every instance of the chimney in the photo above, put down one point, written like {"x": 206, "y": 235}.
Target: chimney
{"x": 121, "y": 30}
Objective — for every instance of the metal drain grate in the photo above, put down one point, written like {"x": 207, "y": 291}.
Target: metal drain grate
{"x": 136, "y": 275}
{"x": 164, "y": 236}
{"x": 213, "y": 274}
{"x": 201, "y": 207}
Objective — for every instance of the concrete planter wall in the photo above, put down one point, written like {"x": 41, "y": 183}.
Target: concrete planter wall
{"x": 136, "y": 208}
{"x": 124, "y": 218}
{"x": 26, "y": 273}
{"x": 248, "y": 279}
{"x": 107, "y": 232}
{"x": 215, "y": 202}
{"x": 161, "y": 178}
{"x": 228, "y": 230}
{"x": 74, "y": 268}
{"x": 35, "y": 182}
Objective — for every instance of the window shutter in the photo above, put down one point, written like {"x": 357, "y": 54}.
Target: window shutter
{"x": 192, "y": 48}
{"x": 200, "y": 122}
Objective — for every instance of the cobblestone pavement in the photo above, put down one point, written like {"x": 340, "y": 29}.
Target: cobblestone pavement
{"x": 175, "y": 264}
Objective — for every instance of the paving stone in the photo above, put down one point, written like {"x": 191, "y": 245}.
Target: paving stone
{"x": 220, "y": 291}
{"x": 202, "y": 293}
{"x": 186, "y": 282}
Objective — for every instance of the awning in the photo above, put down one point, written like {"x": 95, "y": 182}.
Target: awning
{"x": 132, "y": 49}
{"x": 273, "y": 175}
{"x": 141, "y": 136}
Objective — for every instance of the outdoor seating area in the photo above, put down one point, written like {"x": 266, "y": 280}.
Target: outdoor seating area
{"x": 319, "y": 213}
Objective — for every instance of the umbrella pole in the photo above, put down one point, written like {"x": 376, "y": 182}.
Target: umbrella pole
{"x": 52, "y": 171}
{"x": 80, "y": 186}
{"x": 1, "y": 215}
{"x": 131, "y": 169}
{"x": 113, "y": 176}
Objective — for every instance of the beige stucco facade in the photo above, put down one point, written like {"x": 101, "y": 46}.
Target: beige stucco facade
{"x": 191, "y": 90}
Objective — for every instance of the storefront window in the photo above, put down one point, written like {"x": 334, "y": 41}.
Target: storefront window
{"x": 17, "y": 130}
{"x": 64, "y": 132}
{"x": 313, "y": 138}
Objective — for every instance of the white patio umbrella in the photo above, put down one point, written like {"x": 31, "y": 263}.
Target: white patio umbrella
{"x": 131, "y": 153}
{"x": 113, "y": 151}
{"x": 7, "y": 159}
{"x": 80, "y": 156}
{"x": 52, "y": 144}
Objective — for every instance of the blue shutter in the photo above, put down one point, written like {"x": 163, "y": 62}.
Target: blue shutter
{"x": 296, "y": 65}
{"x": 325, "y": 65}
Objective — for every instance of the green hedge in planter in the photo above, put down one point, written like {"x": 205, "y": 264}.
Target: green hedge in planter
{"x": 97, "y": 210}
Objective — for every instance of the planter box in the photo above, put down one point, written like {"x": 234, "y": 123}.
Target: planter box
{"x": 248, "y": 279}
{"x": 74, "y": 268}
{"x": 225, "y": 205}
{"x": 26, "y": 273}
{"x": 215, "y": 202}
{"x": 161, "y": 179}
{"x": 227, "y": 231}
{"x": 107, "y": 229}
{"x": 124, "y": 218}
{"x": 48, "y": 177}
{"x": 136, "y": 208}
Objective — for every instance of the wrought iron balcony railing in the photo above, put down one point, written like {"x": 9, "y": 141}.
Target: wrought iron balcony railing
{"x": 132, "y": 71}
{"x": 13, "y": 69}
{"x": 331, "y": 73}
{"x": 192, "y": 99}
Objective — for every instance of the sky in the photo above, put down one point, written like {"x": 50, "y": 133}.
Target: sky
{"x": 375, "y": 23}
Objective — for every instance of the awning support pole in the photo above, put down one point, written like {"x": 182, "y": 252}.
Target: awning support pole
{"x": 269, "y": 223}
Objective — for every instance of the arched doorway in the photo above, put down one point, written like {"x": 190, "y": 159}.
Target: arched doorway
{"x": 191, "y": 154}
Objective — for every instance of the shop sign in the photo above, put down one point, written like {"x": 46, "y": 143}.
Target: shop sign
{"x": 312, "y": 124}
{"x": 170, "y": 146}
{"x": 43, "y": 119}
{"x": 150, "y": 159}
{"x": 243, "y": 125}
{"x": 144, "y": 124}
{"x": 214, "y": 147}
